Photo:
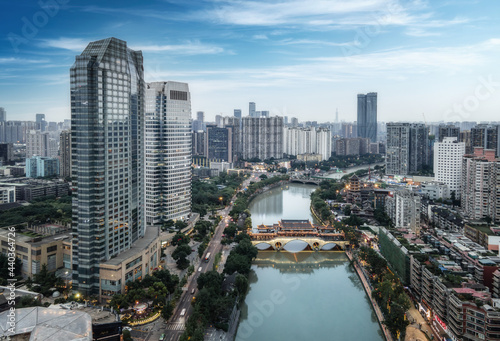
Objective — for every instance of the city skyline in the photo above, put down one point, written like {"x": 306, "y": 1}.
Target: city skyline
{"x": 294, "y": 59}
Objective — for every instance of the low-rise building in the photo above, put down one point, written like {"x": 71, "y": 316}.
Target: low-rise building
{"x": 140, "y": 260}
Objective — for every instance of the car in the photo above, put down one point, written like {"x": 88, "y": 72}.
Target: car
{"x": 199, "y": 269}
{"x": 127, "y": 328}
{"x": 162, "y": 337}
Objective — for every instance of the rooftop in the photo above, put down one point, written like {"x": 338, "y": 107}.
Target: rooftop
{"x": 142, "y": 243}
{"x": 48, "y": 324}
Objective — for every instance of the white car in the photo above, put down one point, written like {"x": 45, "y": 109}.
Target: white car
{"x": 199, "y": 269}
{"x": 127, "y": 328}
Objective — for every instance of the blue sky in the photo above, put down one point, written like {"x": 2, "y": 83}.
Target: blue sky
{"x": 297, "y": 58}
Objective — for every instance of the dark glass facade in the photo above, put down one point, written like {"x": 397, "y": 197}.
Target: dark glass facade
{"x": 107, "y": 108}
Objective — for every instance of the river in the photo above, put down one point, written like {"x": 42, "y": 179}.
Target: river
{"x": 302, "y": 295}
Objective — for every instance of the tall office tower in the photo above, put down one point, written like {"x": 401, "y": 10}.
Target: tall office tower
{"x": 286, "y": 120}
{"x": 294, "y": 122}
{"x": 467, "y": 125}
{"x": 168, "y": 151}
{"x": 251, "y": 109}
{"x": 40, "y": 122}
{"x": 40, "y": 144}
{"x": 337, "y": 115}
{"x": 3, "y": 115}
{"x": 237, "y": 113}
{"x": 465, "y": 137}
{"x": 486, "y": 136}
{"x": 200, "y": 116}
{"x": 367, "y": 116}
{"x": 448, "y": 130}
{"x": 219, "y": 146}
{"x": 448, "y": 163}
{"x": 480, "y": 196}
{"x": 107, "y": 116}
{"x": 264, "y": 113}
{"x": 262, "y": 138}
{"x": 407, "y": 148}
{"x": 198, "y": 142}
{"x": 65, "y": 154}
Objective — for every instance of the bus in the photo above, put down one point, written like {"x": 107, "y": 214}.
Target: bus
{"x": 207, "y": 257}
{"x": 183, "y": 312}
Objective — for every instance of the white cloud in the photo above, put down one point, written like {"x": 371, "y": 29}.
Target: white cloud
{"x": 12, "y": 60}
{"x": 189, "y": 48}
{"x": 72, "y": 44}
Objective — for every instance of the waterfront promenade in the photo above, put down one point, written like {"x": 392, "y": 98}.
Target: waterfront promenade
{"x": 368, "y": 291}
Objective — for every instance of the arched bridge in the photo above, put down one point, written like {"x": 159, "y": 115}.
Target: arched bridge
{"x": 314, "y": 243}
{"x": 306, "y": 181}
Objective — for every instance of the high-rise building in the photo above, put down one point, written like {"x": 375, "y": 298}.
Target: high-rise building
{"x": 251, "y": 109}
{"x": 294, "y": 122}
{"x": 198, "y": 142}
{"x": 219, "y": 146}
{"x": 65, "y": 154}
{"x": 310, "y": 140}
{"x": 41, "y": 144}
{"x": 168, "y": 151}
{"x": 487, "y": 137}
{"x": 262, "y": 138}
{"x": 237, "y": 113}
{"x": 407, "y": 150}
{"x": 5, "y": 154}
{"x": 448, "y": 163}
{"x": 367, "y": 116}
{"x": 107, "y": 115}
{"x": 40, "y": 122}
{"x": 3, "y": 115}
{"x": 39, "y": 167}
{"x": 235, "y": 124}
{"x": 480, "y": 196}
{"x": 264, "y": 113}
{"x": 218, "y": 121}
{"x": 404, "y": 209}
{"x": 448, "y": 130}
{"x": 465, "y": 137}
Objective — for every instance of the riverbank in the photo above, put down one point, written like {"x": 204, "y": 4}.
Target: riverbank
{"x": 368, "y": 290}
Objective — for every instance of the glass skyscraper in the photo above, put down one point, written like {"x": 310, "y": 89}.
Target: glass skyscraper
{"x": 168, "y": 148}
{"x": 367, "y": 116}
{"x": 107, "y": 108}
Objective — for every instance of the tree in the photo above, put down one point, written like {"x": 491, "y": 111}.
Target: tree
{"x": 241, "y": 284}
{"x": 127, "y": 336}
{"x": 119, "y": 301}
{"x": 179, "y": 224}
{"x": 231, "y": 230}
{"x": 180, "y": 238}
{"x": 167, "y": 311}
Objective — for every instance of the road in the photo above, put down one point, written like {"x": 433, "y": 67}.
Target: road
{"x": 175, "y": 327}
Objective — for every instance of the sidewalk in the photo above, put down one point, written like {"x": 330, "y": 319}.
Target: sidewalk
{"x": 375, "y": 306}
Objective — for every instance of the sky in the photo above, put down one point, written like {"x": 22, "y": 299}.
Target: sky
{"x": 427, "y": 60}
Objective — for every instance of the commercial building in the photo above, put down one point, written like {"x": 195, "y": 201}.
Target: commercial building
{"x": 251, "y": 109}
{"x": 168, "y": 152}
{"x": 448, "y": 163}
{"x": 407, "y": 150}
{"x": 53, "y": 250}
{"x": 219, "y": 145}
{"x": 6, "y": 154}
{"x": 367, "y": 116}
{"x": 107, "y": 115}
{"x": 262, "y": 138}
{"x": 134, "y": 264}
{"x": 15, "y": 131}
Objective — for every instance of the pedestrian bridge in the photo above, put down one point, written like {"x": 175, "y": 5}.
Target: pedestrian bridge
{"x": 315, "y": 243}
{"x": 308, "y": 181}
